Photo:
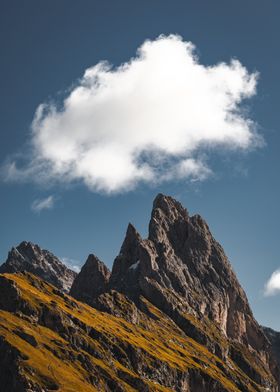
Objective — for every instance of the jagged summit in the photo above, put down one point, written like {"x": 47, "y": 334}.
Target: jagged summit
{"x": 169, "y": 206}
{"x": 31, "y": 258}
{"x": 171, "y": 316}
{"x": 183, "y": 271}
{"x": 91, "y": 281}
{"x": 182, "y": 268}
{"x": 131, "y": 237}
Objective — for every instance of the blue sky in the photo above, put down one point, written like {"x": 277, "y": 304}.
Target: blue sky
{"x": 46, "y": 48}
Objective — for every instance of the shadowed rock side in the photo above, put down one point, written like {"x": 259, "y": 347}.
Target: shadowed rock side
{"x": 182, "y": 268}
{"x": 91, "y": 281}
{"x": 31, "y": 258}
{"x": 52, "y": 342}
{"x": 171, "y": 317}
{"x": 183, "y": 271}
{"x": 274, "y": 338}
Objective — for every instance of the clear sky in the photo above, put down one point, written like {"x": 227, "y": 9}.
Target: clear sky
{"x": 78, "y": 205}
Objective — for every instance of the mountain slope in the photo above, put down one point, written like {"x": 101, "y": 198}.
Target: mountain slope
{"x": 49, "y": 341}
{"x": 171, "y": 316}
{"x": 274, "y": 338}
{"x": 181, "y": 258}
{"x": 183, "y": 271}
{"x": 30, "y": 257}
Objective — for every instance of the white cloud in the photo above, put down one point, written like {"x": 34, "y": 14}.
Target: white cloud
{"x": 189, "y": 167}
{"x": 144, "y": 121}
{"x": 72, "y": 264}
{"x": 272, "y": 286}
{"x": 42, "y": 204}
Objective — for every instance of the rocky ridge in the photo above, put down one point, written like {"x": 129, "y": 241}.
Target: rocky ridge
{"x": 181, "y": 268}
{"x": 171, "y": 316}
{"x": 274, "y": 339}
{"x": 31, "y": 258}
{"x": 183, "y": 271}
{"x": 52, "y": 342}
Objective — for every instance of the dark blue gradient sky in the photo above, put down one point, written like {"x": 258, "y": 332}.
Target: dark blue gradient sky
{"x": 47, "y": 45}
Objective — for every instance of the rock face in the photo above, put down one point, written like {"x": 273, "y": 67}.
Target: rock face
{"x": 182, "y": 268}
{"x": 91, "y": 281}
{"x": 30, "y": 257}
{"x": 183, "y": 271}
{"x": 171, "y": 316}
{"x": 274, "y": 338}
{"x": 51, "y": 342}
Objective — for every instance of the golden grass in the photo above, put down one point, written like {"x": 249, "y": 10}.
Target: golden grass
{"x": 156, "y": 341}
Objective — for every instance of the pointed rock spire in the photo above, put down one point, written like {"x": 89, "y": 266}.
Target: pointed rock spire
{"x": 91, "y": 281}
{"x": 169, "y": 223}
{"x": 181, "y": 267}
{"x": 171, "y": 208}
{"x": 132, "y": 238}
{"x": 129, "y": 251}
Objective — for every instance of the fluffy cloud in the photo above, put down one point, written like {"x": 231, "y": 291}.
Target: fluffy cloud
{"x": 42, "y": 204}
{"x": 272, "y": 286}
{"x": 144, "y": 121}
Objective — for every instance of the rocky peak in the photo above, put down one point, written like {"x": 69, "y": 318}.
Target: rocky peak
{"x": 171, "y": 226}
{"x": 169, "y": 219}
{"x": 170, "y": 207}
{"x": 91, "y": 281}
{"x": 28, "y": 248}
{"x": 183, "y": 271}
{"x": 31, "y": 258}
{"x": 181, "y": 268}
{"x": 132, "y": 238}
{"x": 128, "y": 255}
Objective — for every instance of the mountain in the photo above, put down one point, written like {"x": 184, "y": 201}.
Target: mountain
{"x": 274, "y": 338}
{"x": 171, "y": 316}
{"x": 183, "y": 271}
{"x": 91, "y": 281}
{"x": 30, "y": 257}
{"x": 52, "y": 342}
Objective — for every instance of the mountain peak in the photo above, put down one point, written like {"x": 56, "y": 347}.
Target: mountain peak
{"x": 181, "y": 258}
{"x": 131, "y": 233}
{"x": 177, "y": 283}
{"x": 169, "y": 206}
{"x": 91, "y": 281}
{"x": 169, "y": 222}
{"x": 27, "y": 245}
{"x": 31, "y": 258}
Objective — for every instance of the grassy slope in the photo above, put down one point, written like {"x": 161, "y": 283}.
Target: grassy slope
{"x": 56, "y": 359}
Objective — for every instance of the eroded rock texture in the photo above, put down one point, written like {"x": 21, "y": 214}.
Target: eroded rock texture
{"x": 182, "y": 270}
{"x": 171, "y": 316}
{"x": 31, "y": 258}
{"x": 51, "y": 342}
{"x": 91, "y": 281}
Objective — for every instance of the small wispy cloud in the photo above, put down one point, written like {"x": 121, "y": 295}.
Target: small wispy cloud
{"x": 42, "y": 204}
{"x": 272, "y": 286}
{"x": 70, "y": 263}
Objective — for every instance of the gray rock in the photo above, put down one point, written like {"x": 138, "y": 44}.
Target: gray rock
{"x": 31, "y": 258}
{"x": 91, "y": 281}
{"x": 182, "y": 269}
{"x": 274, "y": 338}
